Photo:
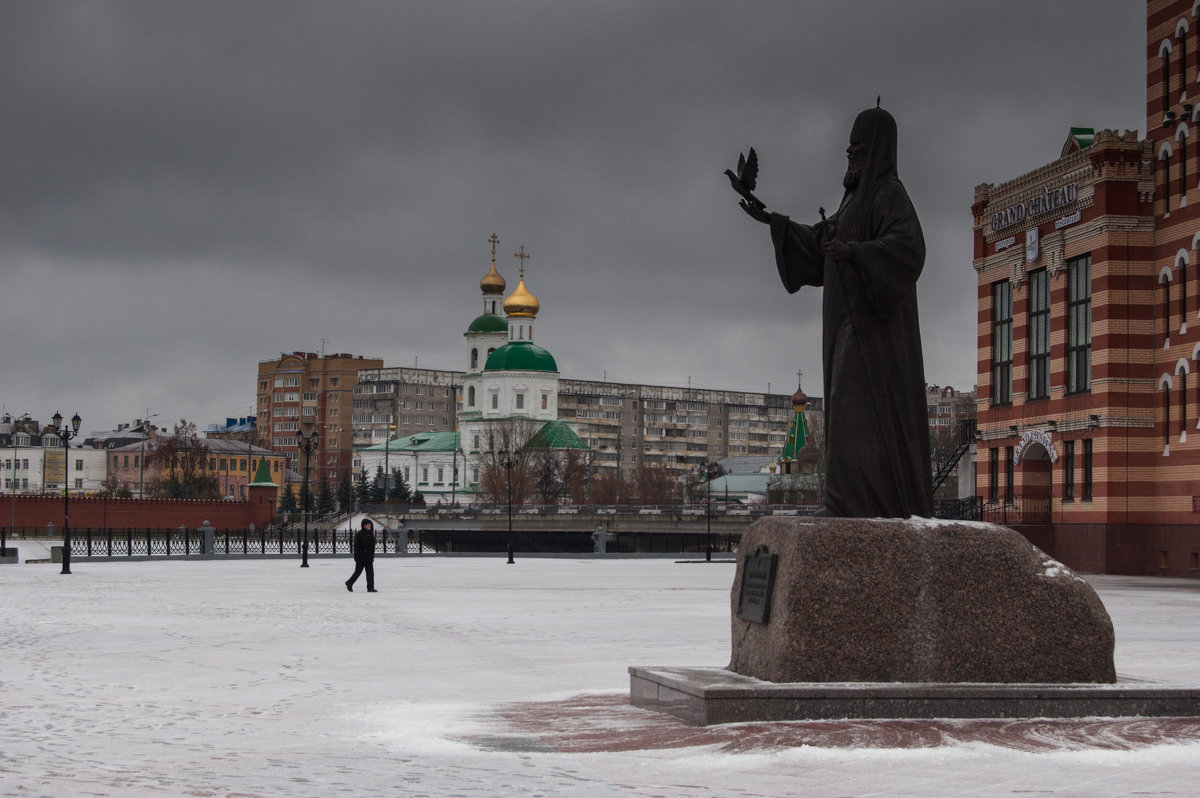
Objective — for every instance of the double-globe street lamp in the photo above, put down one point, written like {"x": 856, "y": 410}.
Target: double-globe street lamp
{"x": 66, "y": 434}
{"x": 308, "y": 446}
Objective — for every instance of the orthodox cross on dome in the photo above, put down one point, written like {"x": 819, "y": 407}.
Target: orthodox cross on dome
{"x": 799, "y": 378}
{"x": 494, "y": 240}
{"x": 523, "y": 258}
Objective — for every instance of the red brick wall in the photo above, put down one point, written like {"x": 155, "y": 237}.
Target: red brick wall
{"x": 37, "y": 511}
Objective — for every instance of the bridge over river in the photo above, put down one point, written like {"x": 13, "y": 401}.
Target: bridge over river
{"x": 623, "y": 529}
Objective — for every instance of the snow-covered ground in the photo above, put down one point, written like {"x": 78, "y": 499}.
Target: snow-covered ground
{"x": 471, "y": 677}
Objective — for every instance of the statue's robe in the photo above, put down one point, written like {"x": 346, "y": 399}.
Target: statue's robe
{"x": 876, "y": 422}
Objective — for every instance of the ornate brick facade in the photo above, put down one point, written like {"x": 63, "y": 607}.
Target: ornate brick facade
{"x": 1089, "y": 331}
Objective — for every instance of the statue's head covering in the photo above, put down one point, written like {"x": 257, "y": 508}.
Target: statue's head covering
{"x": 877, "y": 128}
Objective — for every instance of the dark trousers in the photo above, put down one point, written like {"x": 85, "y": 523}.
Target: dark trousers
{"x": 359, "y": 567}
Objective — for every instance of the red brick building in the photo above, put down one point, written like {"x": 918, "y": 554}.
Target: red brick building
{"x": 302, "y": 392}
{"x": 1085, "y": 351}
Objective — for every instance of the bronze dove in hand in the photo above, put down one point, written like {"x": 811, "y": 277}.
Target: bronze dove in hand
{"x": 743, "y": 183}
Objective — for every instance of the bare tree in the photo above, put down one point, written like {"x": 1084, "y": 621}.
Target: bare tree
{"x": 505, "y": 443}
{"x": 182, "y": 461}
{"x": 548, "y": 475}
{"x": 657, "y": 484}
{"x": 604, "y": 487}
{"x": 576, "y": 473}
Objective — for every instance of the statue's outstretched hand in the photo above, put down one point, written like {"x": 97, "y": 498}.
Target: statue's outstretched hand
{"x": 756, "y": 211}
{"x": 743, "y": 183}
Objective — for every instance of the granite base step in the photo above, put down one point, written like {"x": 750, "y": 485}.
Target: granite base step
{"x": 706, "y": 696}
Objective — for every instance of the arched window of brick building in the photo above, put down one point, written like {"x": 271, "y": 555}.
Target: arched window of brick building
{"x": 1164, "y": 279}
{"x": 1164, "y": 156}
{"x": 1196, "y": 13}
{"x": 1182, "y": 260}
{"x": 1196, "y": 360}
{"x": 1164, "y": 62}
{"x": 1165, "y": 386}
{"x": 1181, "y": 371}
{"x": 1181, "y": 136}
{"x": 1181, "y": 32}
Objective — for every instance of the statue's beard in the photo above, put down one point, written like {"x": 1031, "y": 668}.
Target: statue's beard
{"x": 850, "y": 180}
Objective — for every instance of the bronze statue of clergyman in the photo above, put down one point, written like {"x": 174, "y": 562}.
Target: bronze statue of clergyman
{"x": 867, "y": 256}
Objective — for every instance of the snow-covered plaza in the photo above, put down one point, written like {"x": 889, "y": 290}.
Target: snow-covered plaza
{"x": 471, "y": 677}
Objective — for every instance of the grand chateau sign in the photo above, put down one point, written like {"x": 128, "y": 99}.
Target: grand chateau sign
{"x": 1047, "y": 200}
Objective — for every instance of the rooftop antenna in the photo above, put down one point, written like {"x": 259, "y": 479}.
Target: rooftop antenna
{"x": 323, "y": 340}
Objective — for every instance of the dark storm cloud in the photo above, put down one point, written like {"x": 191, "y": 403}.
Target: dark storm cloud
{"x": 189, "y": 188}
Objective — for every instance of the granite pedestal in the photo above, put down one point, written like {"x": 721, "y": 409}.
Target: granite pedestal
{"x": 891, "y": 618}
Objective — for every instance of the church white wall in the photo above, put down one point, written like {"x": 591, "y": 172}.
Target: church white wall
{"x": 524, "y": 394}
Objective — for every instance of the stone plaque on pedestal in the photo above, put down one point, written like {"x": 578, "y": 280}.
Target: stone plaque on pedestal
{"x": 758, "y": 581}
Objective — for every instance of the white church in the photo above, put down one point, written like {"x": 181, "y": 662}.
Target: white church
{"x": 508, "y": 399}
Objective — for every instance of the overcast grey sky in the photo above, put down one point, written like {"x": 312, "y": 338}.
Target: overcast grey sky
{"x": 189, "y": 188}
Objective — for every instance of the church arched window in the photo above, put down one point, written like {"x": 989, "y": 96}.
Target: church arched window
{"x": 471, "y": 396}
{"x": 474, "y": 358}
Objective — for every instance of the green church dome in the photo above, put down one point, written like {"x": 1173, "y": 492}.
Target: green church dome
{"x": 488, "y": 323}
{"x": 520, "y": 356}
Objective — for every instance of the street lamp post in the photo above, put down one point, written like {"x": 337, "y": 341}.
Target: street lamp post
{"x": 706, "y": 475}
{"x": 364, "y": 495}
{"x": 12, "y": 518}
{"x": 708, "y": 515}
{"x": 142, "y": 456}
{"x": 387, "y": 450}
{"x": 308, "y": 446}
{"x": 66, "y": 434}
{"x": 454, "y": 472}
{"x": 507, "y": 462}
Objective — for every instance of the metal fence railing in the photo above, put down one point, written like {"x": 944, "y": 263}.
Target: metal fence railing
{"x": 185, "y": 542}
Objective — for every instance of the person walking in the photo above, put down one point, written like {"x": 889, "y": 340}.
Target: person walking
{"x": 364, "y": 556}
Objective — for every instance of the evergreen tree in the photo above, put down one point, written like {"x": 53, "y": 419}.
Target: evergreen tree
{"x": 325, "y": 499}
{"x": 287, "y": 504}
{"x": 345, "y": 493}
{"x": 398, "y": 490}
{"x": 376, "y": 496}
{"x": 362, "y": 488}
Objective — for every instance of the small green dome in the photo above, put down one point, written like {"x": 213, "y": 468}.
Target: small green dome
{"x": 520, "y": 356}
{"x": 488, "y": 323}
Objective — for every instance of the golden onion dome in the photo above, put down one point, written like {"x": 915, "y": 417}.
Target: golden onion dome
{"x": 520, "y": 302}
{"x": 492, "y": 282}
